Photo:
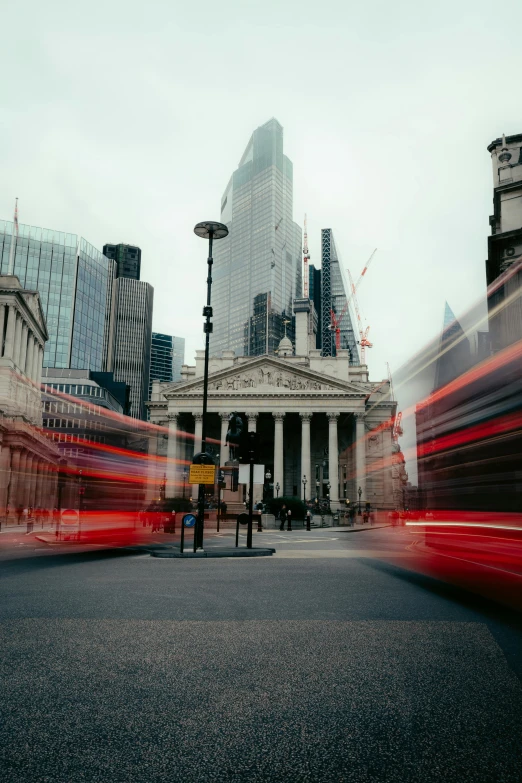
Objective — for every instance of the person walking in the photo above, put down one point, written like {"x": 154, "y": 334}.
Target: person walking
{"x": 282, "y": 517}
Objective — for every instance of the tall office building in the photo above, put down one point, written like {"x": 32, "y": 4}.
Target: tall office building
{"x": 130, "y": 343}
{"x": 504, "y": 263}
{"x": 131, "y": 326}
{"x": 334, "y": 299}
{"x": 128, "y": 259}
{"x": 74, "y": 281}
{"x": 166, "y": 358}
{"x": 314, "y": 287}
{"x": 257, "y": 268}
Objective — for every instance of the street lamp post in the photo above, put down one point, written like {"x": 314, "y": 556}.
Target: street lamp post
{"x": 304, "y": 489}
{"x": 211, "y": 230}
{"x": 359, "y": 492}
{"x": 277, "y": 488}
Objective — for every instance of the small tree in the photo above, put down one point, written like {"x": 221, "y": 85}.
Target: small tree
{"x": 295, "y": 505}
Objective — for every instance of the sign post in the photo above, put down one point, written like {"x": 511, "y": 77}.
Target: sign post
{"x": 189, "y": 520}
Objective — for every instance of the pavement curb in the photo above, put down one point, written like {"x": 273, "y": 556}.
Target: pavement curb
{"x": 363, "y": 529}
{"x": 221, "y": 552}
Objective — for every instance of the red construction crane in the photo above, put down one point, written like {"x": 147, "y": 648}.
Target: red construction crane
{"x": 306, "y": 258}
{"x": 337, "y": 320}
{"x": 363, "y": 333}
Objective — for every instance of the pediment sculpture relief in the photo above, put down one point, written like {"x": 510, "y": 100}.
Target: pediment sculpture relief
{"x": 265, "y": 376}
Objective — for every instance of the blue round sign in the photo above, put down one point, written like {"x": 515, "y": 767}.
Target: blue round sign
{"x": 189, "y": 520}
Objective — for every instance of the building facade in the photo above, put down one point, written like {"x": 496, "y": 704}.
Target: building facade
{"x": 323, "y": 428}
{"x": 334, "y": 300}
{"x": 28, "y": 462}
{"x": 257, "y": 268}
{"x": 127, "y": 258}
{"x": 74, "y": 281}
{"x": 504, "y": 263}
{"x": 314, "y": 287}
{"x": 130, "y": 339}
{"x": 167, "y": 357}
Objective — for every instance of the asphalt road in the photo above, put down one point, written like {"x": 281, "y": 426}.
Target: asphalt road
{"x": 331, "y": 661}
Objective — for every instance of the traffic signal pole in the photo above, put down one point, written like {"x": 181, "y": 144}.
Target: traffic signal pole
{"x": 250, "y": 502}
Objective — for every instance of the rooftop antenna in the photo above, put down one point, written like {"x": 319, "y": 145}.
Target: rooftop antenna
{"x": 306, "y": 258}
{"x": 10, "y": 268}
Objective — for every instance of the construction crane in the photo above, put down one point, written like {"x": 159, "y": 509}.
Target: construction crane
{"x": 306, "y": 258}
{"x": 337, "y": 320}
{"x": 363, "y": 333}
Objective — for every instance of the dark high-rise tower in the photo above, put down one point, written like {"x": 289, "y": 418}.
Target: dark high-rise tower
{"x": 127, "y": 257}
{"x": 314, "y": 286}
{"x": 166, "y": 358}
{"x": 333, "y": 299}
{"x": 131, "y": 325}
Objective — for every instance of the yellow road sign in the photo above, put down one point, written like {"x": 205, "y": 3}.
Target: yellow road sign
{"x": 202, "y": 474}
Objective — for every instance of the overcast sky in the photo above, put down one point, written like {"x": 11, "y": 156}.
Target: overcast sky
{"x": 123, "y": 121}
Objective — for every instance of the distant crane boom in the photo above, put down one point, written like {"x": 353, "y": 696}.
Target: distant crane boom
{"x": 306, "y": 258}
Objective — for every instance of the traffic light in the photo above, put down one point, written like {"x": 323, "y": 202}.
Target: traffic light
{"x": 249, "y": 447}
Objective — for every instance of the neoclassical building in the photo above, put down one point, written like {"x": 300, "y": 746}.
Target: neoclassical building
{"x": 320, "y": 420}
{"x": 28, "y": 460}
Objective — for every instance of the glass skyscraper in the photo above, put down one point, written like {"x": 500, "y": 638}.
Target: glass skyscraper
{"x": 131, "y": 335}
{"x": 75, "y": 282}
{"x": 166, "y": 358}
{"x": 257, "y": 268}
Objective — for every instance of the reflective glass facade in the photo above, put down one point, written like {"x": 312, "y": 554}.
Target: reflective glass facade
{"x": 131, "y": 335}
{"x": 74, "y": 281}
{"x": 166, "y": 358}
{"x": 257, "y": 268}
{"x": 128, "y": 259}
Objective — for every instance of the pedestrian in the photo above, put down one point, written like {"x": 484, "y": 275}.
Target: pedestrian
{"x": 352, "y": 515}
{"x": 282, "y": 517}
{"x": 308, "y": 519}
{"x": 289, "y": 520}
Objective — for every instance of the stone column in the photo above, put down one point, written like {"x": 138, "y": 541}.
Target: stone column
{"x": 31, "y": 480}
{"x": 17, "y": 340}
{"x": 152, "y": 469}
{"x": 198, "y": 432}
{"x": 2, "y": 319}
{"x": 14, "y": 484}
{"x": 225, "y": 450}
{"x": 171, "y": 490}
{"x": 278, "y": 452}
{"x": 10, "y": 333}
{"x": 23, "y": 349}
{"x": 252, "y": 421}
{"x": 306, "y": 462}
{"x": 333, "y": 457}
{"x": 43, "y": 481}
{"x": 360, "y": 455}
{"x": 39, "y": 366}
{"x": 5, "y": 472}
{"x": 40, "y": 484}
{"x": 35, "y": 373}
{"x": 29, "y": 356}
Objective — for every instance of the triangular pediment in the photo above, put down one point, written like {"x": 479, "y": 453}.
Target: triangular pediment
{"x": 32, "y": 299}
{"x": 265, "y": 375}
